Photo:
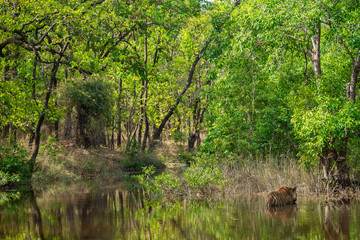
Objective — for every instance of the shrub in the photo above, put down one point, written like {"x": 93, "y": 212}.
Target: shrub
{"x": 14, "y": 161}
{"x": 93, "y": 101}
{"x": 163, "y": 185}
{"x": 137, "y": 162}
{"x": 203, "y": 178}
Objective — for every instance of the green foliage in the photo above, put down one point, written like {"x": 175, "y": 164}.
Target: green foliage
{"x": 8, "y": 196}
{"x": 205, "y": 176}
{"x": 52, "y": 148}
{"x": 317, "y": 128}
{"x": 6, "y": 178}
{"x": 202, "y": 179}
{"x": 256, "y": 78}
{"x": 163, "y": 185}
{"x": 135, "y": 163}
{"x": 179, "y": 137}
{"x": 93, "y": 101}
{"x": 14, "y": 161}
{"x": 93, "y": 96}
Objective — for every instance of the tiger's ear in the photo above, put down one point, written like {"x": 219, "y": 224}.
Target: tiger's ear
{"x": 294, "y": 189}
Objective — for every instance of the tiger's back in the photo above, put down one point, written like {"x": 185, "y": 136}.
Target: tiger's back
{"x": 281, "y": 197}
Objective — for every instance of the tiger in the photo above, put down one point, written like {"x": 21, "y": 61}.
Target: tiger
{"x": 281, "y": 197}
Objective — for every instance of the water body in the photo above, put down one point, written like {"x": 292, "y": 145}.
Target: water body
{"x": 95, "y": 210}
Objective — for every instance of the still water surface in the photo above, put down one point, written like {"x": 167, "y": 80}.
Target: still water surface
{"x": 114, "y": 211}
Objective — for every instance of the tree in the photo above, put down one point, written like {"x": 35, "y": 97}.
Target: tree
{"x": 93, "y": 101}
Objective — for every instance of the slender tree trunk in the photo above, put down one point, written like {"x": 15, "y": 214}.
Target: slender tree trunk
{"x": 33, "y": 97}
{"x": 118, "y": 137}
{"x": 5, "y": 131}
{"x": 56, "y": 123}
{"x": 341, "y": 164}
{"x": 43, "y": 113}
{"x": 145, "y": 95}
{"x": 313, "y": 52}
{"x": 146, "y": 132}
{"x": 83, "y": 137}
{"x": 351, "y": 90}
{"x": 158, "y": 131}
{"x": 68, "y": 125}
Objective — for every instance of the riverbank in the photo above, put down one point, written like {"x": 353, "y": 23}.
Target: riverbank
{"x": 64, "y": 162}
{"x": 207, "y": 176}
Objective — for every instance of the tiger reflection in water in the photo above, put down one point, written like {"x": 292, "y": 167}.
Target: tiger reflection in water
{"x": 281, "y": 204}
{"x": 282, "y": 212}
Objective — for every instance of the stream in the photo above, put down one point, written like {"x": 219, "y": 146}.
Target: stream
{"x": 115, "y": 210}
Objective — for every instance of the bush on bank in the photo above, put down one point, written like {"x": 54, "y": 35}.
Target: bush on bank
{"x": 204, "y": 178}
{"x": 14, "y": 162}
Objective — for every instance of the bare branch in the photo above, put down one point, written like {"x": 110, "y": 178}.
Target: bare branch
{"x": 28, "y": 23}
{"x": 348, "y": 51}
{"x": 118, "y": 41}
{"x": 45, "y": 34}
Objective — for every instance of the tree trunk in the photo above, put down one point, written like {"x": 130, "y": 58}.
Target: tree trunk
{"x": 351, "y": 89}
{"x": 56, "y": 123}
{"x": 83, "y": 138}
{"x": 68, "y": 125}
{"x": 5, "y": 131}
{"x": 314, "y": 53}
{"x": 158, "y": 131}
{"x": 33, "y": 98}
{"x": 146, "y": 133}
{"x": 118, "y": 137}
{"x": 341, "y": 165}
{"x": 43, "y": 113}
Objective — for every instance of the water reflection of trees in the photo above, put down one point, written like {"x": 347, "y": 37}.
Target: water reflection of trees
{"x": 36, "y": 215}
{"x": 120, "y": 214}
{"x": 87, "y": 215}
{"x": 337, "y": 228}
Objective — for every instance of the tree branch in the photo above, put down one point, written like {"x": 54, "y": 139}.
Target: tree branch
{"x": 45, "y": 34}
{"x": 348, "y": 51}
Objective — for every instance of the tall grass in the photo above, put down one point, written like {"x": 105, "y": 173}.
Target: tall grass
{"x": 259, "y": 177}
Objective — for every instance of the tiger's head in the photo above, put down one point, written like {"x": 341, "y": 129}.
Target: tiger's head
{"x": 290, "y": 191}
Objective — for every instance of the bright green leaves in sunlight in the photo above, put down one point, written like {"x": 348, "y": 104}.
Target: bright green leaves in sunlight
{"x": 317, "y": 128}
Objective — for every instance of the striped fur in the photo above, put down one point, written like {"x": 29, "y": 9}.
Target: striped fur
{"x": 283, "y": 196}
